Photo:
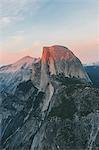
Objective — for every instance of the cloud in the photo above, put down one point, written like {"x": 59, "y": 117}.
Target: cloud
{"x": 12, "y": 11}
{"x": 5, "y": 20}
{"x": 17, "y": 7}
{"x": 8, "y": 20}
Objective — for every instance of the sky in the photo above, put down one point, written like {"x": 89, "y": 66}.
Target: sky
{"x": 26, "y": 26}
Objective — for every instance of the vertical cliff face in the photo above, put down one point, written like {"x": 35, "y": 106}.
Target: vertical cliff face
{"x": 60, "y": 60}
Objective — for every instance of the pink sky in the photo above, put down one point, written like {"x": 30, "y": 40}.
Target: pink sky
{"x": 87, "y": 52}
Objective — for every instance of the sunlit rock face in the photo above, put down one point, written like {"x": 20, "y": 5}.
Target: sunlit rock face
{"x": 60, "y": 60}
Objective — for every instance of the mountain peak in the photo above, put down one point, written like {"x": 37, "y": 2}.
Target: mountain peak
{"x": 60, "y": 60}
{"x": 56, "y": 52}
{"x": 26, "y": 59}
{"x": 11, "y": 75}
{"x": 24, "y": 62}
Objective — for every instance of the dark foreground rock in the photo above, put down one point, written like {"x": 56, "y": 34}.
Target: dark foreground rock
{"x": 70, "y": 122}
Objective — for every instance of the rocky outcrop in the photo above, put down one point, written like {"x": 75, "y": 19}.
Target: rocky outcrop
{"x": 36, "y": 73}
{"x": 56, "y": 109}
{"x": 12, "y": 75}
{"x": 60, "y": 60}
{"x": 71, "y": 120}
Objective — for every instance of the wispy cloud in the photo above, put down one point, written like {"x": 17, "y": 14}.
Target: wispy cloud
{"x": 16, "y": 10}
{"x": 17, "y": 7}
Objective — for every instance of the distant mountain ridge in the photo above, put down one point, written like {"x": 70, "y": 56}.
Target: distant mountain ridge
{"x": 92, "y": 64}
{"x": 25, "y": 62}
{"x": 93, "y": 72}
{"x": 11, "y": 75}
